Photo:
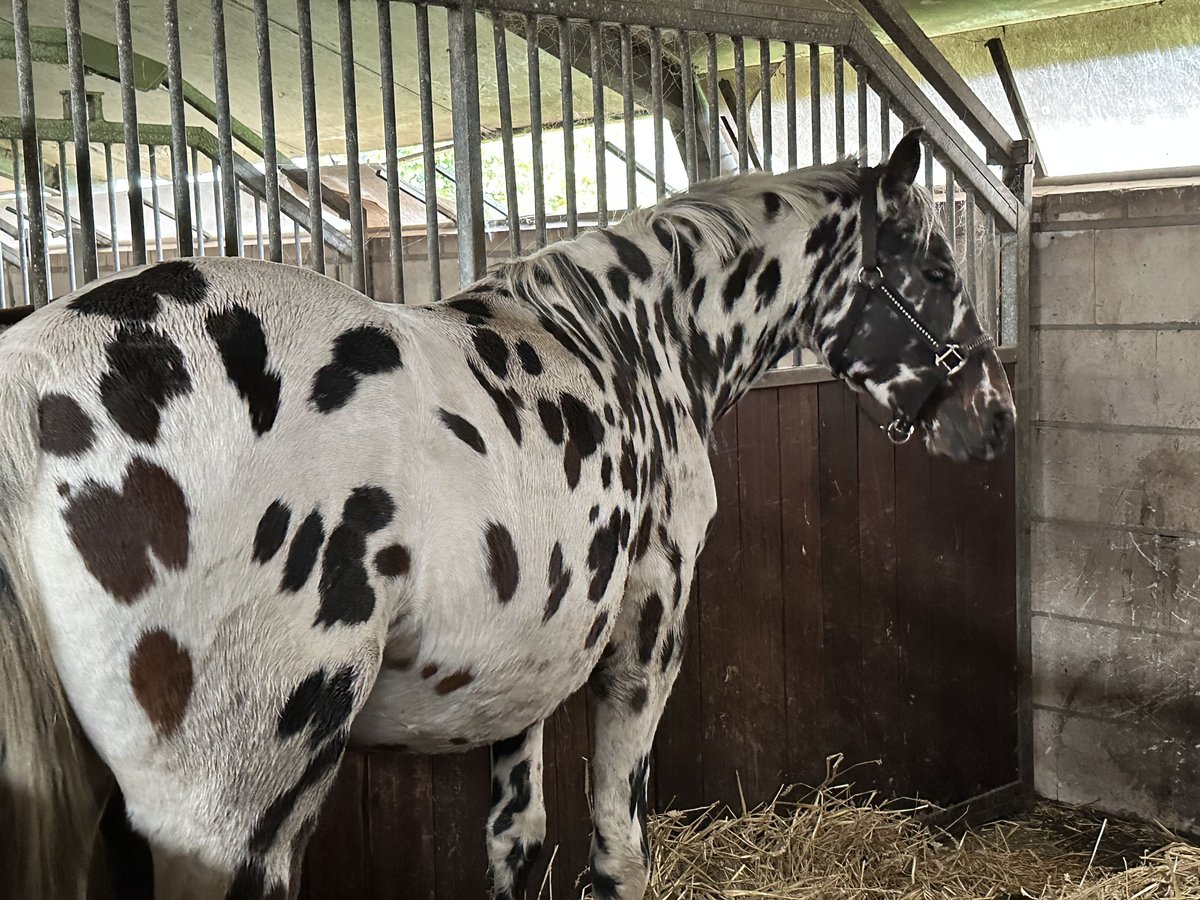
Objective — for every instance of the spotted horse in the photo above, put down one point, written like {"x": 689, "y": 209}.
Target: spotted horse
{"x": 250, "y": 517}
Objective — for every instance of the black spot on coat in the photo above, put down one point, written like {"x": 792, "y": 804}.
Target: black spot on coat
{"x": 493, "y": 351}
{"x": 347, "y": 597}
{"x": 503, "y": 567}
{"x": 736, "y": 285}
{"x": 358, "y": 352}
{"x": 146, "y": 371}
{"x": 648, "y": 624}
{"x": 630, "y": 255}
{"x": 138, "y": 298}
{"x": 559, "y": 580}
{"x": 302, "y": 555}
{"x": 242, "y": 343}
{"x": 271, "y": 532}
{"x": 463, "y": 430}
{"x": 64, "y": 429}
{"x": 530, "y": 361}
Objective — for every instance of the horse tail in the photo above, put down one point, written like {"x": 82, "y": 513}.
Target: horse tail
{"x": 49, "y": 810}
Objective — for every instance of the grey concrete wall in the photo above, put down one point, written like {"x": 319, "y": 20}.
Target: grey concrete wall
{"x": 1116, "y": 500}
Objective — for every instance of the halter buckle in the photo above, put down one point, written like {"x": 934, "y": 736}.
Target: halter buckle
{"x": 870, "y": 278}
{"x": 899, "y": 430}
{"x": 951, "y": 358}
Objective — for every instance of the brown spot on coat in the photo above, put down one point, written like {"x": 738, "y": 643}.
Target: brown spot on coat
{"x": 160, "y": 672}
{"x": 503, "y": 567}
{"x": 429, "y": 670}
{"x": 393, "y": 561}
{"x": 450, "y": 683}
{"x": 64, "y": 429}
{"x": 115, "y": 532}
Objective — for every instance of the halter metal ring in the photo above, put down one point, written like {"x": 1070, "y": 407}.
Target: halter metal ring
{"x": 870, "y": 278}
{"x": 952, "y": 359}
{"x": 899, "y": 430}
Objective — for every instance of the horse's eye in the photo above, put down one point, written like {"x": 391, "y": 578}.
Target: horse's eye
{"x": 935, "y": 276}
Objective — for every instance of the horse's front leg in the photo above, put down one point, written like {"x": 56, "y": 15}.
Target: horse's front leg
{"x": 517, "y": 824}
{"x": 632, "y": 684}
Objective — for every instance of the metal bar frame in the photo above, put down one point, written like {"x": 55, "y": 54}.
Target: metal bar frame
{"x": 179, "y": 157}
{"x": 83, "y": 150}
{"x": 504, "y": 96}
{"x": 32, "y": 157}
{"x": 133, "y": 152}
{"x": 358, "y": 270}
{"x": 231, "y": 241}
{"x": 64, "y": 186}
{"x": 566, "y": 66}
{"x": 764, "y": 92}
{"x": 266, "y": 107}
{"x": 596, "y": 63}
{"x": 156, "y": 205}
{"x": 434, "y": 249}
{"x": 387, "y": 88}
{"x": 627, "y": 96}
{"x": 468, "y": 160}
{"x": 316, "y": 215}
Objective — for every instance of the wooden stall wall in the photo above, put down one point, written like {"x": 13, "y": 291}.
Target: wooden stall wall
{"x": 853, "y": 598}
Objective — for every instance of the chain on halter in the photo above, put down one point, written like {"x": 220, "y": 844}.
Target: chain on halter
{"x": 949, "y": 357}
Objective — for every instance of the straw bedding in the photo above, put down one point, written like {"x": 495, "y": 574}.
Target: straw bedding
{"x": 836, "y": 845}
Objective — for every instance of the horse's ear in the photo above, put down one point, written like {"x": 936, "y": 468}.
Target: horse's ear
{"x": 901, "y": 168}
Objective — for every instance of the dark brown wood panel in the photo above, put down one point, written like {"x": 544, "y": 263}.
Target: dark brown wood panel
{"x": 853, "y": 598}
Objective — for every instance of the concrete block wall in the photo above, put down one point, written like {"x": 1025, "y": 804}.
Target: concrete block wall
{"x": 1115, "y": 296}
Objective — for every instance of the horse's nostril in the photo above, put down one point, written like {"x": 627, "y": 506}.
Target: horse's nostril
{"x": 1002, "y": 422}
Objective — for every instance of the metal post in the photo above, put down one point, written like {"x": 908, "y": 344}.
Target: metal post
{"x": 969, "y": 227}
{"x": 432, "y": 238}
{"x": 196, "y": 198}
{"x": 38, "y": 271}
{"x": 133, "y": 150}
{"x": 789, "y": 72}
{"x": 948, "y": 208}
{"x": 566, "y": 66}
{"x": 468, "y": 159}
{"x": 218, "y": 218}
{"x": 535, "y": 130}
{"x": 266, "y": 106}
{"x": 764, "y": 65}
{"x": 156, "y": 207}
{"x": 229, "y": 199}
{"x": 83, "y": 150}
{"x": 387, "y": 85}
{"x": 65, "y": 188}
{"x": 511, "y": 198}
{"x": 358, "y": 279}
{"x": 113, "y": 231}
{"x": 814, "y": 99}
{"x": 885, "y": 125}
{"x": 258, "y": 229}
{"x": 839, "y": 103}
{"x": 312, "y": 152}
{"x": 714, "y": 109}
{"x": 596, "y": 46}
{"x": 739, "y": 102}
{"x": 928, "y": 167}
{"x": 22, "y": 246}
{"x": 296, "y": 238}
{"x": 863, "y": 137}
{"x": 179, "y": 160}
{"x": 688, "y": 76}
{"x": 656, "y": 111}
{"x": 627, "y": 95}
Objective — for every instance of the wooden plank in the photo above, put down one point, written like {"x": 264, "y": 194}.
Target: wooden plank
{"x": 761, "y": 705}
{"x": 838, "y": 422}
{"x": 678, "y": 767}
{"x": 335, "y": 865}
{"x": 803, "y": 593}
{"x": 571, "y": 825}
{"x": 877, "y": 580}
{"x": 461, "y": 803}
{"x": 399, "y": 807}
{"x": 720, "y": 581}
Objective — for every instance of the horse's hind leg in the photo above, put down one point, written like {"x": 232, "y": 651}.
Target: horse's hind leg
{"x": 517, "y": 824}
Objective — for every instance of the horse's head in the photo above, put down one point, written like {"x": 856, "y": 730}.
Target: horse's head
{"x": 901, "y": 329}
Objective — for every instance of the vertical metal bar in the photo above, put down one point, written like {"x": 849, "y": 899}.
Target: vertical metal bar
{"x": 38, "y": 271}
{"x": 566, "y": 66}
{"x": 358, "y": 275}
{"x": 839, "y": 103}
{"x": 266, "y": 108}
{"x": 196, "y": 200}
{"x": 156, "y": 205}
{"x": 64, "y": 186}
{"x": 312, "y": 152}
{"x": 814, "y": 99}
{"x": 218, "y": 203}
{"x": 656, "y": 110}
{"x": 22, "y": 247}
{"x": 3, "y": 283}
{"x": 992, "y": 293}
{"x": 739, "y": 101}
{"x": 45, "y": 230}
{"x": 133, "y": 151}
{"x": 928, "y": 167}
{"x": 468, "y": 158}
{"x": 789, "y": 62}
{"x": 714, "y": 110}
{"x": 969, "y": 226}
{"x": 627, "y": 94}
{"x": 83, "y": 149}
{"x": 764, "y": 65}
{"x": 885, "y": 125}
{"x": 179, "y": 160}
{"x": 296, "y": 239}
{"x": 863, "y": 136}
{"x": 948, "y": 208}
{"x": 430, "y": 184}
{"x": 229, "y": 199}
{"x": 258, "y": 228}
{"x": 535, "y": 129}
{"x": 113, "y": 230}
{"x": 387, "y": 85}
{"x": 596, "y": 45}
{"x": 511, "y": 198}
{"x": 688, "y": 76}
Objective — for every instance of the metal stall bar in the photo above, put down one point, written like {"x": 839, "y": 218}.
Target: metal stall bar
{"x": 387, "y": 87}
{"x": 218, "y": 219}
{"x": 196, "y": 197}
{"x": 839, "y": 102}
{"x": 468, "y": 158}
{"x": 928, "y": 154}
{"x": 764, "y": 64}
{"x": 312, "y": 151}
{"x": 266, "y": 106}
{"x": 535, "y": 130}
{"x": 179, "y": 160}
{"x": 714, "y": 110}
{"x": 511, "y": 198}
{"x": 22, "y": 255}
{"x": 434, "y": 249}
{"x": 230, "y": 207}
{"x": 789, "y": 63}
{"x": 596, "y": 45}
{"x": 688, "y": 77}
{"x": 565, "y": 67}
{"x": 110, "y": 184}
{"x": 627, "y": 94}
{"x": 296, "y": 242}
{"x": 969, "y": 226}
{"x": 358, "y": 273}
{"x": 38, "y": 270}
{"x": 156, "y": 204}
{"x": 258, "y": 229}
{"x": 68, "y": 226}
{"x": 83, "y": 150}
{"x": 989, "y": 268}
{"x": 814, "y": 99}
{"x": 739, "y": 101}
{"x": 885, "y": 125}
{"x": 133, "y": 150}
{"x": 656, "y": 109}
{"x": 948, "y": 207}
{"x": 860, "y": 78}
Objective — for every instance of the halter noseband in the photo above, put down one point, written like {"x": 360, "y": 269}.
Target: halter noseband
{"x": 949, "y": 358}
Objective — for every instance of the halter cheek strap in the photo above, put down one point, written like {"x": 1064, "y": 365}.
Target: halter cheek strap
{"x": 949, "y": 358}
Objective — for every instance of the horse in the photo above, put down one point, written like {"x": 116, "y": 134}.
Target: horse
{"x": 249, "y": 517}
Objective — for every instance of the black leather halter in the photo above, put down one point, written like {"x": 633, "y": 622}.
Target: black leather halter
{"x": 949, "y": 357}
